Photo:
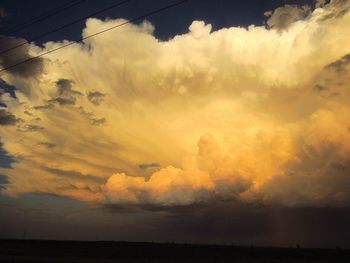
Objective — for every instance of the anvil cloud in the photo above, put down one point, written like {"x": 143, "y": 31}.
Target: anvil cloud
{"x": 258, "y": 114}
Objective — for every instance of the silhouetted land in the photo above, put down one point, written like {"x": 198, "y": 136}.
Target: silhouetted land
{"x": 39, "y": 251}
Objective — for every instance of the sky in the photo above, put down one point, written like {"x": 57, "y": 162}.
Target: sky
{"x": 209, "y": 122}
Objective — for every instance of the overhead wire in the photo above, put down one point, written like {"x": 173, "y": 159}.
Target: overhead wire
{"x": 41, "y": 17}
{"x": 63, "y": 26}
{"x": 97, "y": 33}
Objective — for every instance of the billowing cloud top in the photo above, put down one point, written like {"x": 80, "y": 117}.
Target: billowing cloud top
{"x": 258, "y": 114}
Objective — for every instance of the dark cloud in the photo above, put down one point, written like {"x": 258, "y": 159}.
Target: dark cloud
{"x": 335, "y": 9}
{"x": 62, "y": 101}
{"x": 169, "y": 210}
{"x": 335, "y": 94}
{"x": 66, "y": 94}
{"x": 9, "y": 58}
{"x": 229, "y": 221}
{"x": 75, "y": 175}
{"x": 6, "y": 160}
{"x": 282, "y": 17}
{"x": 91, "y": 117}
{"x": 65, "y": 87}
{"x": 48, "y": 145}
{"x": 145, "y": 166}
{"x": 97, "y": 121}
{"x": 326, "y": 91}
{"x": 320, "y": 3}
{"x": 319, "y": 87}
{"x": 221, "y": 223}
{"x": 44, "y": 107}
{"x": 320, "y": 178}
{"x": 339, "y": 65}
{"x": 3, "y": 181}
{"x": 7, "y": 88}
{"x": 30, "y": 128}
{"x": 74, "y": 180}
{"x": 95, "y": 97}
{"x": 7, "y": 118}
{"x": 28, "y": 113}
{"x": 239, "y": 223}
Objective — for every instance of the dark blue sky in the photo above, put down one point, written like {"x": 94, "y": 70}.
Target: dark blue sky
{"x": 220, "y": 13}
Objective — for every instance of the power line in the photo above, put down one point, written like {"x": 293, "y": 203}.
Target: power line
{"x": 41, "y": 17}
{"x": 64, "y": 26}
{"x": 97, "y": 33}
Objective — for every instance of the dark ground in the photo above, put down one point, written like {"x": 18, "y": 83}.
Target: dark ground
{"x": 35, "y": 251}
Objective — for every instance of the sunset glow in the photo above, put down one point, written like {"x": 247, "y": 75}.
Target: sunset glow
{"x": 257, "y": 114}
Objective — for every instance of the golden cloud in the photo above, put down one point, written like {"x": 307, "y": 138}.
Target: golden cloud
{"x": 256, "y": 114}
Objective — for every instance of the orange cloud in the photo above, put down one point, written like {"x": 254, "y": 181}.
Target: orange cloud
{"x": 255, "y": 114}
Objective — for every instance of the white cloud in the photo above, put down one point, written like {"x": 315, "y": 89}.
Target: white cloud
{"x": 232, "y": 113}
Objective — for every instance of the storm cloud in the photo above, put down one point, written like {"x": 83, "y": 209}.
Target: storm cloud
{"x": 7, "y": 118}
{"x": 95, "y": 97}
{"x": 255, "y": 115}
{"x": 340, "y": 64}
{"x": 8, "y": 58}
{"x": 282, "y": 17}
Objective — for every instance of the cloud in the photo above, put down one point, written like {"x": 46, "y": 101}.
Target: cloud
{"x": 100, "y": 121}
{"x": 6, "y": 160}
{"x": 7, "y": 118}
{"x": 168, "y": 186}
{"x": 282, "y": 17}
{"x": 47, "y": 144}
{"x": 335, "y": 9}
{"x": 320, "y": 3}
{"x": 320, "y": 88}
{"x": 3, "y": 182}
{"x": 75, "y": 175}
{"x": 66, "y": 94}
{"x": 148, "y": 165}
{"x": 6, "y": 88}
{"x": 31, "y": 68}
{"x": 95, "y": 97}
{"x": 65, "y": 88}
{"x": 30, "y": 128}
{"x": 340, "y": 64}
{"x": 62, "y": 101}
{"x": 251, "y": 115}
{"x": 43, "y": 107}
{"x": 90, "y": 116}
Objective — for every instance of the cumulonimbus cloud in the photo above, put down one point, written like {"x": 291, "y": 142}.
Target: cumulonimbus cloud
{"x": 255, "y": 114}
